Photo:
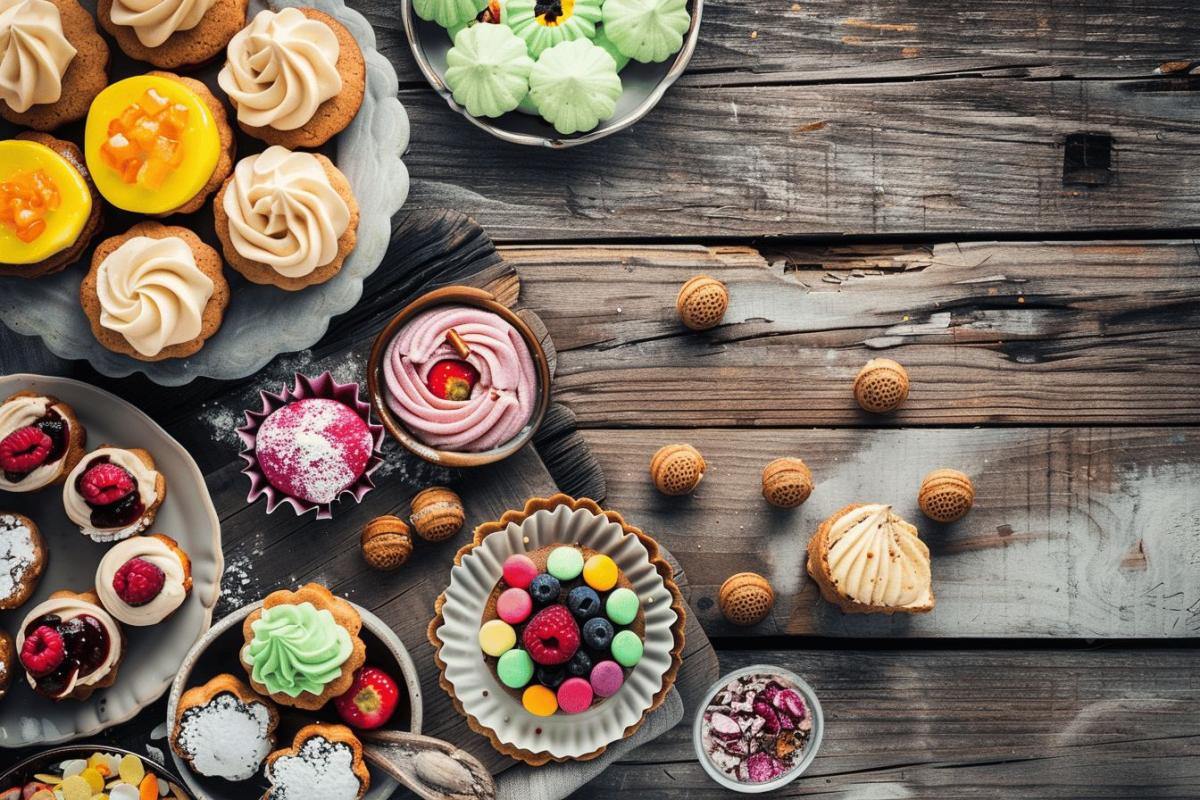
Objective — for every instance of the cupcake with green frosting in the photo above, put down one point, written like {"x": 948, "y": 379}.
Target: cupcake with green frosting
{"x": 646, "y": 30}
{"x": 544, "y": 23}
{"x": 449, "y": 13}
{"x": 302, "y": 648}
{"x": 488, "y": 70}
{"x": 575, "y": 85}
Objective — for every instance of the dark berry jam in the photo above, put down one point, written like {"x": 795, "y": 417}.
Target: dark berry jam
{"x": 86, "y": 644}
{"x": 54, "y": 426}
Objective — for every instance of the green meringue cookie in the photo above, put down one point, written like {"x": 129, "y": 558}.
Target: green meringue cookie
{"x": 575, "y": 85}
{"x": 488, "y": 70}
{"x": 602, "y": 39}
{"x": 448, "y": 13}
{"x": 646, "y": 30}
{"x": 296, "y": 649}
{"x": 545, "y": 24}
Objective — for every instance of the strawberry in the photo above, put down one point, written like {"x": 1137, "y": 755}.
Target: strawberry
{"x": 24, "y": 450}
{"x": 370, "y": 701}
{"x": 452, "y": 380}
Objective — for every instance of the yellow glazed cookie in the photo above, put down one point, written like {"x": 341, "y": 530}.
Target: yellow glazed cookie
{"x": 157, "y": 143}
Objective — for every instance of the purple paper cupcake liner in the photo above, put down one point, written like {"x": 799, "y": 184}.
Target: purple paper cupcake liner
{"x": 305, "y": 388}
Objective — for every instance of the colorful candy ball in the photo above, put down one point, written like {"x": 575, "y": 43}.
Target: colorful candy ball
{"x": 519, "y": 570}
{"x": 600, "y": 572}
{"x": 514, "y": 605}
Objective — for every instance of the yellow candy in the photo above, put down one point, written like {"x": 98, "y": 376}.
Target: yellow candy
{"x": 76, "y": 787}
{"x": 94, "y": 779}
{"x": 539, "y": 701}
{"x": 63, "y": 223}
{"x": 131, "y": 769}
{"x": 600, "y": 573}
{"x": 496, "y": 637}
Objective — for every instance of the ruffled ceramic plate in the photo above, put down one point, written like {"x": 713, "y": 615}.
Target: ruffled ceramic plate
{"x": 644, "y": 85}
{"x": 476, "y": 692}
{"x": 262, "y": 321}
{"x": 154, "y": 653}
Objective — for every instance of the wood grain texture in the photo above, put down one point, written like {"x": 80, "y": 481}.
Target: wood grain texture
{"x": 958, "y": 724}
{"x": 1016, "y": 333}
{"x": 1075, "y": 533}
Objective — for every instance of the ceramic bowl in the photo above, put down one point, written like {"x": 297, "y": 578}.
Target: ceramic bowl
{"x": 377, "y": 385}
{"x": 814, "y": 739}
{"x": 42, "y": 762}
{"x": 644, "y": 85}
{"x": 218, "y": 652}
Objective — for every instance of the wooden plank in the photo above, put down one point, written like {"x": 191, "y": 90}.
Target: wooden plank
{"x": 1080, "y": 532}
{"x": 1024, "y": 332}
{"x": 955, "y": 724}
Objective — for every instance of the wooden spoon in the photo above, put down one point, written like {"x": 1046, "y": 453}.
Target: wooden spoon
{"x": 432, "y": 768}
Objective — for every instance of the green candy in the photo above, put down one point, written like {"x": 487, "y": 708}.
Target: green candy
{"x": 627, "y": 648}
{"x": 622, "y": 606}
{"x": 515, "y": 668}
{"x": 565, "y": 563}
{"x": 296, "y": 649}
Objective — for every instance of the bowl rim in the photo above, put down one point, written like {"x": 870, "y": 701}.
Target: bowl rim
{"x": 818, "y": 730}
{"x": 76, "y": 749}
{"x": 456, "y": 295}
{"x": 408, "y": 669}
{"x": 680, "y": 63}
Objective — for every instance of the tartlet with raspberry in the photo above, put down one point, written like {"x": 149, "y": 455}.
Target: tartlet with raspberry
{"x": 8, "y": 662}
{"x": 69, "y": 646}
{"x": 41, "y": 441}
{"x": 114, "y": 493}
{"x": 144, "y": 579}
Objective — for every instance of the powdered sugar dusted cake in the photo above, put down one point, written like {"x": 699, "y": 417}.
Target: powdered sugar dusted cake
{"x": 324, "y": 761}
{"x": 313, "y": 449}
{"x": 223, "y": 729}
{"x": 22, "y": 559}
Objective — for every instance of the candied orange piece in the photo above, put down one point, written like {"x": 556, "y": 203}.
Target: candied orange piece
{"x": 153, "y": 173}
{"x": 152, "y": 102}
{"x": 25, "y": 200}
{"x": 148, "y": 789}
{"x": 144, "y": 142}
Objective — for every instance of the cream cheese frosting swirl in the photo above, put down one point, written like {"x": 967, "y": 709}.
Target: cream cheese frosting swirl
{"x": 156, "y": 552}
{"x": 153, "y": 21}
{"x": 80, "y": 512}
{"x": 152, "y": 293}
{"x": 67, "y": 608}
{"x": 500, "y": 404}
{"x": 21, "y": 412}
{"x": 280, "y": 68}
{"x": 34, "y": 53}
{"x": 284, "y": 212}
{"x": 877, "y": 559}
{"x": 296, "y": 648}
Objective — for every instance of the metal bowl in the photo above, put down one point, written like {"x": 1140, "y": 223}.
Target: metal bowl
{"x": 41, "y": 762}
{"x": 645, "y": 84}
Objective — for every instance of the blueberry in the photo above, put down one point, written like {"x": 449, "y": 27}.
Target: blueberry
{"x": 551, "y": 677}
{"x": 584, "y": 602}
{"x": 597, "y": 633}
{"x": 580, "y": 664}
{"x": 545, "y": 589}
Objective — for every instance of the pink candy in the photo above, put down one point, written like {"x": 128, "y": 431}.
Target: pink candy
{"x": 607, "y": 677}
{"x": 519, "y": 571}
{"x": 575, "y": 695}
{"x": 514, "y": 605}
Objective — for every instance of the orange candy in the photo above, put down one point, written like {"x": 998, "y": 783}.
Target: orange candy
{"x": 144, "y": 140}
{"x": 25, "y": 199}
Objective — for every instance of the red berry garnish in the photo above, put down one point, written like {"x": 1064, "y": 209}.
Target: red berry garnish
{"x": 370, "y": 701}
{"x": 43, "y": 651}
{"x": 138, "y": 581}
{"x": 24, "y": 450}
{"x": 552, "y": 636}
{"x": 105, "y": 484}
{"x": 452, "y": 380}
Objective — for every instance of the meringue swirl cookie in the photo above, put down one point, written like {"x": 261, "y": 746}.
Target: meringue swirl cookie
{"x": 287, "y": 219}
{"x": 296, "y": 77}
{"x": 449, "y": 13}
{"x": 142, "y": 580}
{"x": 488, "y": 70}
{"x": 544, "y": 24}
{"x": 461, "y": 404}
{"x": 154, "y": 292}
{"x": 53, "y": 63}
{"x": 114, "y": 493}
{"x": 41, "y": 440}
{"x": 866, "y": 559}
{"x": 575, "y": 86}
{"x": 172, "y": 33}
{"x": 647, "y": 30}
{"x": 79, "y": 646}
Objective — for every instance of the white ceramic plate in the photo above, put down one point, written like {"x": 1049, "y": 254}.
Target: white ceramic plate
{"x": 482, "y": 696}
{"x": 186, "y": 515}
{"x": 261, "y": 321}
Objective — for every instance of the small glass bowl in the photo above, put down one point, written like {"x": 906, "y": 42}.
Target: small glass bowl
{"x": 810, "y": 749}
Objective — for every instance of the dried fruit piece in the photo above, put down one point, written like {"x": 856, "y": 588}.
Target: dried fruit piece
{"x": 25, "y": 200}
{"x": 131, "y": 769}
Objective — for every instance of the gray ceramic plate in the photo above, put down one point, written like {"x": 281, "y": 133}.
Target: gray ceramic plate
{"x": 261, "y": 321}
{"x": 186, "y": 515}
{"x": 645, "y": 84}
{"x": 218, "y": 651}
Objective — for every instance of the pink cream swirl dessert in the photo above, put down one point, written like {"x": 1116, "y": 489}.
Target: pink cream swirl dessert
{"x": 461, "y": 378}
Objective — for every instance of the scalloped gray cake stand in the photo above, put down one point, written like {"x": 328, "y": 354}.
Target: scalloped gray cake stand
{"x": 261, "y": 321}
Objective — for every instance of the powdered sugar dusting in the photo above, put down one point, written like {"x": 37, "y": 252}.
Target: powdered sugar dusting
{"x": 313, "y": 449}
{"x": 320, "y": 768}
{"x": 225, "y": 738}
{"x": 17, "y": 554}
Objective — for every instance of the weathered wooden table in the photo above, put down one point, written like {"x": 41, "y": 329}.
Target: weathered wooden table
{"x": 998, "y": 195}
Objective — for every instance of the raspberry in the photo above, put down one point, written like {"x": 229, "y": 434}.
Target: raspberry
{"x": 138, "y": 581}
{"x": 43, "y": 651}
{"x": 105, "y": 484}
{"x": 24, "y": 450}
{"x": 552, "y": 636}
